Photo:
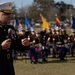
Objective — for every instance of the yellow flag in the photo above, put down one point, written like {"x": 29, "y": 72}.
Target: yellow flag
{"x": 45, "y": 24}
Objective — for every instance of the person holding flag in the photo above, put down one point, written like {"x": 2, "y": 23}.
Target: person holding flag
{"x": 57, "y": 21}
{"x": 45, "y": 24}
{"x": 72, "y": 36}
{"x": 28, "y": 23}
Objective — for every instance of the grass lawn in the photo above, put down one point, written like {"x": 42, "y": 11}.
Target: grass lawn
{"x": 52, "y": 67}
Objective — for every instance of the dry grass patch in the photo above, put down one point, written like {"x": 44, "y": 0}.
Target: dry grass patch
{"x": 52, "y": 67}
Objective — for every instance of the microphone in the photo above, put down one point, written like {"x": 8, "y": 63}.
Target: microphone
{"x": 11, "y": 33}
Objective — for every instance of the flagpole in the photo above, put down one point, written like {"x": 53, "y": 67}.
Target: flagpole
{"x": 71, "y": 13}
{"x": 22, "y": 5}
{"x": 70, "y": 7}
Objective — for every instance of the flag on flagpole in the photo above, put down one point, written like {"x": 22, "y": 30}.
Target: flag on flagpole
{"x": 58, "y": 21}
{"x": 73, "y": 22}
{"x": 45, "y": 24}
{"x": 28, "y": 23}
{"x": 16, "y": 23}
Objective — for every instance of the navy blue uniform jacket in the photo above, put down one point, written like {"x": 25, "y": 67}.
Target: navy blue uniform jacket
{"x": 6, "y": 60}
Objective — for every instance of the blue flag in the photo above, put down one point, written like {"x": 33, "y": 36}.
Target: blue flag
{"x": 73, "y": 22}
{"x": 28, "y": 23}
{"x": 16, "y": 23}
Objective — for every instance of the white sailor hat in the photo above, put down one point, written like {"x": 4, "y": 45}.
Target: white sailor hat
{"x": 43, "y": 29}
{"x": 56, "y": 28}
{"x": 32, "y": 30}
{"x": 49, "y": 28}
{"x": 52, "y": 29}
{"x": 21, "y": 29}
{"x": 72, "y": 30}
{"x": 6, "y": 7}
{"x": 63, "y": 30}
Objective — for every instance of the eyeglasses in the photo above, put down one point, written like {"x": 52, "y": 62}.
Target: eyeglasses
{"x": 7, "y": 14}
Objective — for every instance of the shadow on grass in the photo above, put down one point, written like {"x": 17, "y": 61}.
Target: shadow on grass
{"x": 49, "y": 60}
{"x": 56, "y": 61}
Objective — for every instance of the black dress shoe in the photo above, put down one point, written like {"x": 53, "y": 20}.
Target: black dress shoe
{"x": 33, "y": 62}
{"x": 62, "y": 60}
{"x": 44, "y": 60}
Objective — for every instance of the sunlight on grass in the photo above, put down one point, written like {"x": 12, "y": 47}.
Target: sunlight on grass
{"x": 52, "y": 67}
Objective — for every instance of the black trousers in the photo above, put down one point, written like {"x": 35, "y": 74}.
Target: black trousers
{"x": 6, "y": 68}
